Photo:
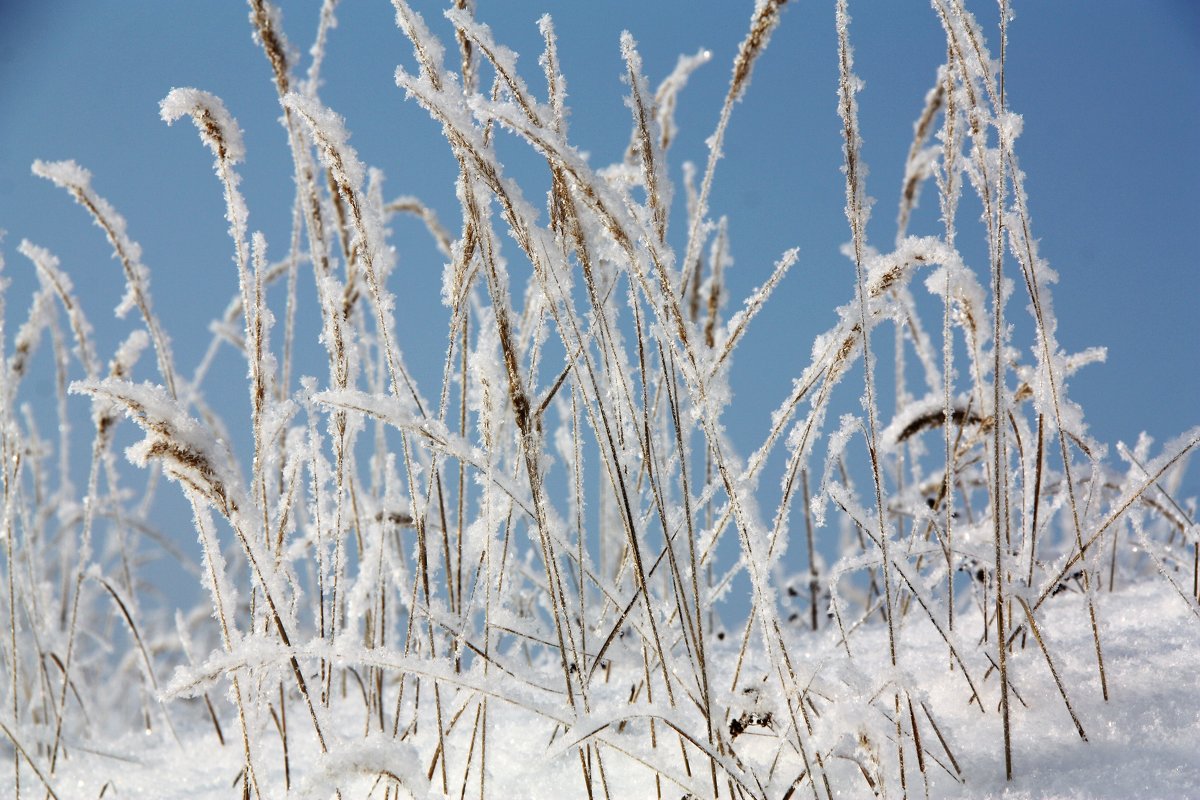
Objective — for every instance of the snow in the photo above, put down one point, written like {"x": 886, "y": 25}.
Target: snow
{"x": 1139, "y": 744}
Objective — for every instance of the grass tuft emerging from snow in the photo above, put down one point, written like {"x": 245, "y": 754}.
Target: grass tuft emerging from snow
{"x": 528, "y": 579}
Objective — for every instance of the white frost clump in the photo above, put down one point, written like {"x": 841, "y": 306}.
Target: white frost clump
{"x": 217, "y": 127}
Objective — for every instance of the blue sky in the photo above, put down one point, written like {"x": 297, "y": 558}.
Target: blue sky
{"x": 1110, "y": 95}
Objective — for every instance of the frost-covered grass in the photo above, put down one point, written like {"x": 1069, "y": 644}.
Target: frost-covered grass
{"x": 521, "y": 581}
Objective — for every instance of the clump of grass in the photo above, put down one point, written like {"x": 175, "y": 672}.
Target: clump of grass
{"x": 422, "y": 579}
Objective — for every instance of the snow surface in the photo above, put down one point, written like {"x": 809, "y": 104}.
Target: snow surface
{"x": 1140, "y": 744}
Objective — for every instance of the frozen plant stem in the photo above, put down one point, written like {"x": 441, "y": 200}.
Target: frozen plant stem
{"x": 999, "y": 414}
{"x": 856, "y": 213}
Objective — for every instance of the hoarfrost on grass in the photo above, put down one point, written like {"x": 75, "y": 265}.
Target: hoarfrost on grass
{"x": 524, "y": 587}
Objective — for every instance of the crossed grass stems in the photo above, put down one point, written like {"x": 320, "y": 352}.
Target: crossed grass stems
{"x": 451, "y": 567}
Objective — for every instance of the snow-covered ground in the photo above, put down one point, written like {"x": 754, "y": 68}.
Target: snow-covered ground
{"x": 1141, "y": 743}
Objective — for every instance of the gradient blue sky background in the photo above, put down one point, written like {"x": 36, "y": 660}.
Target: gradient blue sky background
{"x": 1110, "y": 93}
